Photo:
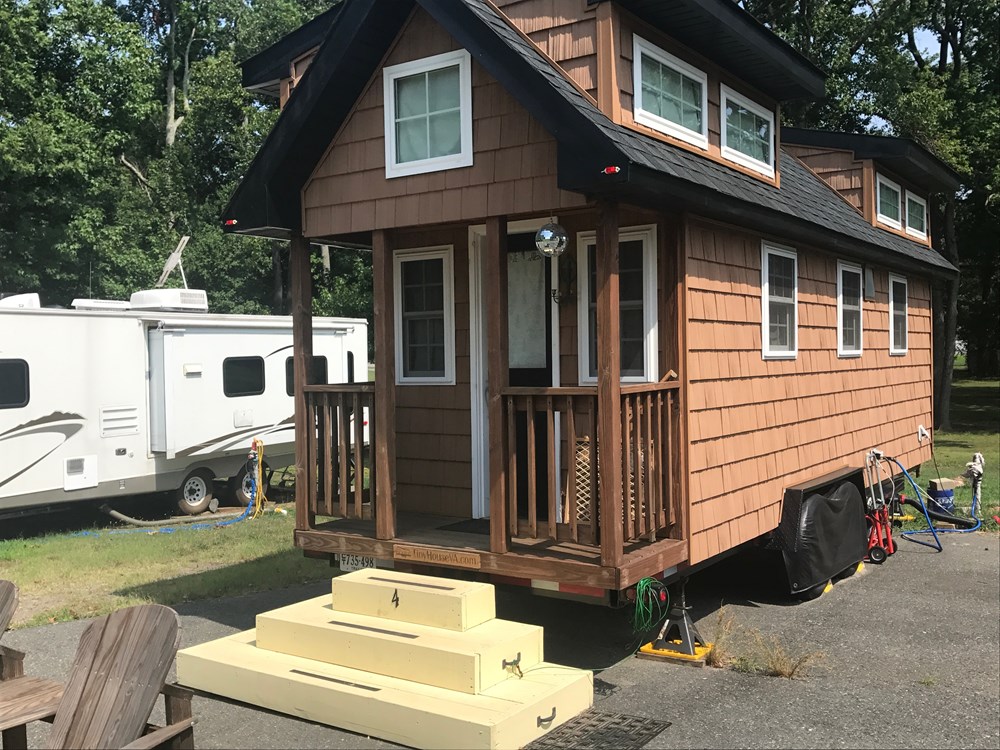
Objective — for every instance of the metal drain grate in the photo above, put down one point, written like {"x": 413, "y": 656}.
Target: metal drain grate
{"x": 596, "y": 730}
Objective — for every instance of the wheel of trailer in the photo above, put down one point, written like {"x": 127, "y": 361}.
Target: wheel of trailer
{"x": 241, "y": 485}
{"x": 195, "y": 493}
{"x": 877, "y": 555}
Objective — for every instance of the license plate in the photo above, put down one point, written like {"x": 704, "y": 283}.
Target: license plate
{"x": 355, "y": 562}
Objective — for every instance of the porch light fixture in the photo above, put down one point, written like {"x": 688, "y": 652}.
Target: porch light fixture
{"x": 551, "y": 240}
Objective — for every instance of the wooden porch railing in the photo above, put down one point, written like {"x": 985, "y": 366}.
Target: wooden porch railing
{"x": 650, "y": 461}
{"x": 340, "y": 465}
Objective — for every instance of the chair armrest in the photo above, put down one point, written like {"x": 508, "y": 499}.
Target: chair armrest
{"x": 163, "y": 735}
{"x": 11, "y": 663}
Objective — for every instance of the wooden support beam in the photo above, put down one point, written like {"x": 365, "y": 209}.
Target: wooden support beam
{"x": 608, "y": 94}
{"x": 495, "y": 299}
{"x": 384, "y": 444}
{"x": 683, "y": 443}
{"x": 301, "y": 283}
{"x": 609, "y": 388}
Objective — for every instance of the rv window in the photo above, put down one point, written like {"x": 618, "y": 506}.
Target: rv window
{"x": 319, "y": 374}
{"x": 243, "y": 376}
{"x": 13, "y": 383}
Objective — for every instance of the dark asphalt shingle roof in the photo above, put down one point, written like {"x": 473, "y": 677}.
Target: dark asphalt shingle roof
{"x": 802, "y": 195}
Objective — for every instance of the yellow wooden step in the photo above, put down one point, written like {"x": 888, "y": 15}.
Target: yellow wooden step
{"x": 468, "y": 661}
{"x": 408, "y": 597}
{"x": 508, "y": 715}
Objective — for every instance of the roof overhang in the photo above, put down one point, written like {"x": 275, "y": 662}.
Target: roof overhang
{"x": 722, "y": 31}
{"x": 904, "y": 156}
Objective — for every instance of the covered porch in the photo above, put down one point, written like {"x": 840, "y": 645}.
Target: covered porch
{"x": 558, "y": 507}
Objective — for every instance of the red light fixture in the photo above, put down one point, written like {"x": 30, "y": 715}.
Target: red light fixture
{"x": 611, "y": 170}
{"x": 231, "y": 222}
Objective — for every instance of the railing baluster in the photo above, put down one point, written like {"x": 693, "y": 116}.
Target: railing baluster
{"x": 312, "y": 455}
{"x": 372, "y": 463}
{"x": 669, "y": 452}
{"x": 359, "y": 468}
{"x": 641, "y": 461}
{"x": 532, "y": 477}
{"x": 328, "y": 434}
{"x": 550, "y": 439}
{"x": 652, "y": 464}
{"x": 661, "y": 459}
{"x": 343, "y": 437}
{"x": 595, "y": 457}
{"x": 512, "y": 465}
{"x": 571, "y": 473}
{"x": 628, "y": 498}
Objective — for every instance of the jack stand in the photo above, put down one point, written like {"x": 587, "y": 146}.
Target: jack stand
{"x": 678, "y": 639}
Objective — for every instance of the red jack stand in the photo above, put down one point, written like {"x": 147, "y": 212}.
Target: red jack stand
{"x": 880, "y": 543}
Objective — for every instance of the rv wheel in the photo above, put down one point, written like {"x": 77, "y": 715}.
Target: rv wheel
{"x": 195, "y": 493}
{"x": 240, "y": 486}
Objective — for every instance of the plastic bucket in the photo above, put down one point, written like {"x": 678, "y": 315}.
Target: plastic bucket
{"x": 943, "y": 499}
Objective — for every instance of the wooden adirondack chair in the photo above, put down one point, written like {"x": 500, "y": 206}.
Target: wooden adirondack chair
{"x": 120, "y": 667}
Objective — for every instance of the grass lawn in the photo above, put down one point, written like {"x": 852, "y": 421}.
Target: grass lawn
{"x": 77, "y": 575}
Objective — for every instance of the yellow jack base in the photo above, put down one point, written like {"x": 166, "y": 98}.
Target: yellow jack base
{"x": 679, "y": 657}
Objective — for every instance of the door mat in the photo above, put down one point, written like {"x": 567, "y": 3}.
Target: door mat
{"x": 597, "y": 730}
{"x": 469, "y": 526}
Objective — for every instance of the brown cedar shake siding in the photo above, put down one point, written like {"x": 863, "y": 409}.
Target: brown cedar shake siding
{"x": 839, "y": 169}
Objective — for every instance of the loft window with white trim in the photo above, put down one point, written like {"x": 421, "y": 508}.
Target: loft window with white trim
{"x": 898, "y": 327}
{"x": 849, "y": 334}
{"x": 669, "y": 95}
{"x": 916, "y": 216}
{"x": 637, "y": 305}
{"x": 428, "y": 114}
{"x": 747, "y": 132}
{"x": 887, "y": 196}
{"x": 779, "y": 315}
{"x": 425, "y": 320}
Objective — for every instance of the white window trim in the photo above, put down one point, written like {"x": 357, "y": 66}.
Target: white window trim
{"x": 445, "y": 253}
{"x": 437, "y": 163}
{"x": 641, "y": 47}
{"x": 910, "y": 230}
{"x": 841, "y": 350}
{"x": 888, "y": 220}
{"x": 647, "y": 234}
{"x": 738, "y": 157}
{"x": 893, "y": 349}
{"x": 765, "y": 322}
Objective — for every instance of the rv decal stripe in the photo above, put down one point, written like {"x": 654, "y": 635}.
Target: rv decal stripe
{"x": 66, "y": 430}
{"x": 223, "y": 442}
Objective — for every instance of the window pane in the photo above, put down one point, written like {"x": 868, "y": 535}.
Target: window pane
{"x": 632, "y": 328}
{"x": 748, "y": 132}
{"x": 445, "y": 134}
{"x": 443, "y": 89}
{"x": 243, "y": 376}
{"x": 898, "y": 298}
{"x": 781, "y": 320}
{"x": 915, "y": 218}
{"x": 423, "y": 317}
{"x": 850, "y": 284}
{"x": 851, "y": 323}
{"x": 411, "y": 96}
{"x": 781, "y": 276}
{"x": 670, "y": 94}
{"x": 888, "y": 201}
{"x": 411, "y": 140}
{"x": 13, "y": 383}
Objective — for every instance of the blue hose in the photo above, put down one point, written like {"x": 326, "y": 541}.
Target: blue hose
{"x": 920, "y": 494}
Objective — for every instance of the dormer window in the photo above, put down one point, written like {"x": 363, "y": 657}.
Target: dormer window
{"x": 747, "y": 133}
{"x": 428, "y": 114}
{"x": 670, "y": 95}
{"x": 887, "y": 196}
{"x": 916, "y": 216}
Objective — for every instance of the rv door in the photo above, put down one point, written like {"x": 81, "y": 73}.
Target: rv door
{"x": 158, "y": 344}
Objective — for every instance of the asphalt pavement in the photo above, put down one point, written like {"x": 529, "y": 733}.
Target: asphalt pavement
{"x": 912, "y": 658}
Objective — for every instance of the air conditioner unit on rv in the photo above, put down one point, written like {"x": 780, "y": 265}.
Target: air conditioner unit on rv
{"x": 21, "y": 301}
{"x": 100, "y": 304}
{"x": 176, "y": 300}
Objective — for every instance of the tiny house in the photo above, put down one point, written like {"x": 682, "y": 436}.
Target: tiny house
{"x": 729, "y": 317}
{"x": 115, "y": 398}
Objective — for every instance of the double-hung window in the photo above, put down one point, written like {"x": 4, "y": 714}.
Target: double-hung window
{"x": 916, "y": 216}
{"x": 849, "y": 336}
{"x": 779, "y": 318}
{"x": 747, "y": 132}
{"x": 669, "y": 95}
{"x": 897, "y": 315}
{"x": 428, "y": 114}
{"x": 637, "y": 305}
{"x": 888, "y": 195}
{"x": 425, "y": 319}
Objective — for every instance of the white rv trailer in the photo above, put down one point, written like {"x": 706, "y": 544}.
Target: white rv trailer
{"x": 113, "y": 398}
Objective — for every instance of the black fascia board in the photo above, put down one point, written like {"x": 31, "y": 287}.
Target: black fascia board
{"x": 725, "y": 33}
{"x": 268, "y": 197}
{"x": 904, "y": 156}
{"x": 642, "y": 186}
{"x": 271, "y": 64}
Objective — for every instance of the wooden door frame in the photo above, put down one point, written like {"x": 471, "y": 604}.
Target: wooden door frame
{"x": 478, "y": 358}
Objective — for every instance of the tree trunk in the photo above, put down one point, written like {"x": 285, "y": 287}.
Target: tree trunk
{"x": 942, "y": 418}
{"x": 171, "y": 128}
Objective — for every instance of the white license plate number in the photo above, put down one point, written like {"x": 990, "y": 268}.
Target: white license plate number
{"x": 355, "y": 562}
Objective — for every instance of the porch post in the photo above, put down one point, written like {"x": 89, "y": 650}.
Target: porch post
{"x": 495, "y": 298}
{"x": 385, "y": 386}
{"x": 609, "y": 389}
{"x": 302, "y": 348}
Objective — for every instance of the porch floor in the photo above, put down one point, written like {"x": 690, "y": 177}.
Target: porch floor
{"x": 532, "y": 558}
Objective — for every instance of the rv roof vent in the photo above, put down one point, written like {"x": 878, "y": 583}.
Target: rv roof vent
{"x": 100, "y": 304}
{"x": 24, "y": 301}
{"x": 181, "y": 300}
